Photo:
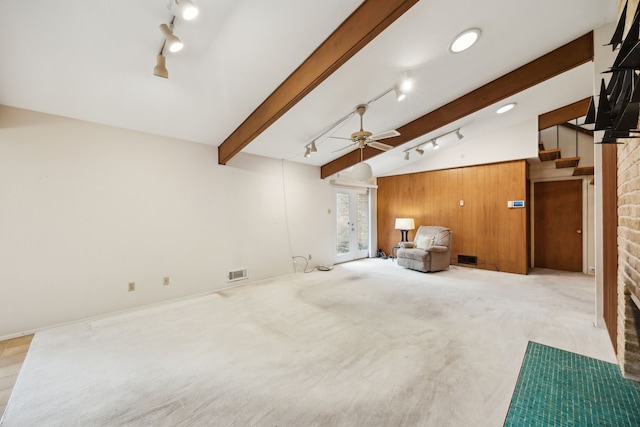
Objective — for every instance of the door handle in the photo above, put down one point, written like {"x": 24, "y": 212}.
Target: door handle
{"x": 579, "y": 231}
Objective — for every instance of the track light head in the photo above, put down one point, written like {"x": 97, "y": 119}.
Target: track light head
{"x": 313, "y": 147}
{"x": 173, "y": 42}
{"x": 458, "y": 134}
{"x": 307, "y": 152}
{"x": 435, "y": 144}
{"x": 160, "y": 69}
{"x": 406, "y": 155}
{"x": 402, "y": 89}
{"x": 188, "y": 9}
{"x": 420, "y": 151}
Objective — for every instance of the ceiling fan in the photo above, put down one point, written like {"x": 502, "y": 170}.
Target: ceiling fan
{"x": 365, "y": 138}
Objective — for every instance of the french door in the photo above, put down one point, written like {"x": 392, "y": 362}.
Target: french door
{"x": 351, "y": 224}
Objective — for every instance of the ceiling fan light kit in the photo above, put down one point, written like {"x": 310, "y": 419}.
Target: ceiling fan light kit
{"x": 188, "y": 10}
{"x": 362, "y": 137}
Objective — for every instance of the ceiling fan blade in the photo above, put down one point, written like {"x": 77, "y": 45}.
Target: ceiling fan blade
{"x": 344, "y": 148}
{"x": 340, "y": 137}
{"x": 383, "y": 135}
{"x": 380, "y": 146}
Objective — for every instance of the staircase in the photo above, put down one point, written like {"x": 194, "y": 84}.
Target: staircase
{"x": 555, "y": 155}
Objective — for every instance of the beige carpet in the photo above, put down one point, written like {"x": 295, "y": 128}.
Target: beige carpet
{"x": 367, "y": 344}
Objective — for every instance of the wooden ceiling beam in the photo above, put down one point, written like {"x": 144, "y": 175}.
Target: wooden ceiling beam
{"x": 571, "y": 55}
{"x": 362, "y": 26}
{"x": 563, "y": 114}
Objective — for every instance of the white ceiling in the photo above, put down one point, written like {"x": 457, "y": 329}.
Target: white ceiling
{"x": 93, "y": 60}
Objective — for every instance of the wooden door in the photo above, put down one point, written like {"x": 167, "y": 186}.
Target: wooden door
{"x": 558, "y": 225}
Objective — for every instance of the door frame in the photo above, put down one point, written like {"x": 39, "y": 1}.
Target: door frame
{"x": 353, "y": 255}
{"x": 588, "y": 226}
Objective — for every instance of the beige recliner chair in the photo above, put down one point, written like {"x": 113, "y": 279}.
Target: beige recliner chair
{"x": 429, "y": 251}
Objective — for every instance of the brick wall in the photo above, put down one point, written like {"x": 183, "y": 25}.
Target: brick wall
{"x": 629, "y": 258}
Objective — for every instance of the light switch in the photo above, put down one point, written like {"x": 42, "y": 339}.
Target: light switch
{"x": 461, "y": 202}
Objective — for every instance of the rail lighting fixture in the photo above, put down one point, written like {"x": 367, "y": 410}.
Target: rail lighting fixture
{"x": 160, "y": 69}
{"x": 402, "y": 89}
{"x": 310, "y": 148}
{"x": 173, "y": 42}
{"x": 505, "y": 108}
{"x": 419, "y": 147}
{"x": 188, "y": 10}
{"x": 185, "y": 8}
{"x": 465, "y": 40}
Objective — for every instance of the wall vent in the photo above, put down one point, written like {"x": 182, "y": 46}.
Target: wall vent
{"x": 240, "y": 274}
{"x": 468, "y": 259}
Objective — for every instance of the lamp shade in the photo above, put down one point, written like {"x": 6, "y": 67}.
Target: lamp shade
{"x": 362, "y": 172}
{"x": 405, "y": 224}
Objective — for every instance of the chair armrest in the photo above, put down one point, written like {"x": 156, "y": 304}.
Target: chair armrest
{"x": 437, "y": 248}
{"x": 407, "y": 245}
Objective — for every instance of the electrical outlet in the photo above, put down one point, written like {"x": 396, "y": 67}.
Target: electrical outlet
{"x": 165, "y": 282}
{"x": 132, "y": 286}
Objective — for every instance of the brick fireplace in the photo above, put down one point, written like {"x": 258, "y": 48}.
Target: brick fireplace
{"x": 629, "y": 258}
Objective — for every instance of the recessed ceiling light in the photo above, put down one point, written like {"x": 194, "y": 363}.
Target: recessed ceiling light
{"x": 506, "y": 108}
{"x": 465, "y": 40}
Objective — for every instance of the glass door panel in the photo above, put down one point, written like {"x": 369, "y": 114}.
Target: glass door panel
{"x": 352, "y": 231}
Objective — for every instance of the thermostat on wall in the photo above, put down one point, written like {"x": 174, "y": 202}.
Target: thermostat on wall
{"x": 515, "y": 204}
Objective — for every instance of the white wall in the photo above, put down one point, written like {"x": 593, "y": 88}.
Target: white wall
{"x": 87, "y": 208}
{"x": 516, "y": 142}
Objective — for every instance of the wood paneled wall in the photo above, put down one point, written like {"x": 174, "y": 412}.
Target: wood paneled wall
{"x": 484, "y": 226}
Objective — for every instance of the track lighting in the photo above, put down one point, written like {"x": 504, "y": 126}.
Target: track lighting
{"x": 173, "y": 42}
{"x": 419, "y": 147}
{"x": 307, "y": 152}
{"x": 188, "y": 10}
{"x": 313, "y": 148}
{"x": 402, "y": 90}
{"x": 160, "y": 69}
{"x": 400, "y": 94}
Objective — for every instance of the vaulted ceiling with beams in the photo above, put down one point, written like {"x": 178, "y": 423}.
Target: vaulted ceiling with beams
{"x": 94, "y": 61}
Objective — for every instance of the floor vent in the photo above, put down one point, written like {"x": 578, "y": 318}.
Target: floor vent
{"x": 467, "y": 259}
{"x": 237, "y": 275}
